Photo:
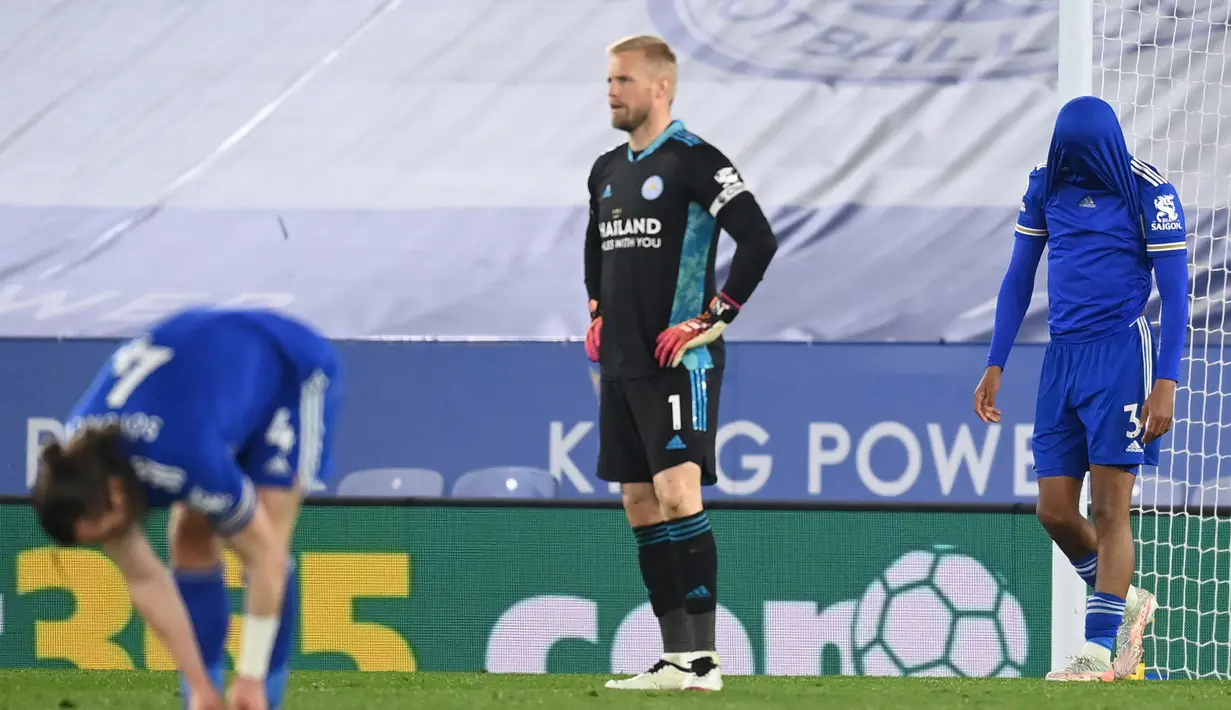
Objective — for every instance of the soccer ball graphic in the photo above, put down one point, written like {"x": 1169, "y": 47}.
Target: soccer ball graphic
{"x": 939, "y": 613}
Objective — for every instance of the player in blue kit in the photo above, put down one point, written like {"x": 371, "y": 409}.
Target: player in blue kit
{"x": 1106, "y": 392}
{"x": 226, "y": 417}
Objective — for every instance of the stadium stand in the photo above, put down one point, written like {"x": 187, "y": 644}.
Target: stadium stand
{"x": 392, "y": 483}
{"x": 505, "y": 482}
{"x": 443, "y": 179}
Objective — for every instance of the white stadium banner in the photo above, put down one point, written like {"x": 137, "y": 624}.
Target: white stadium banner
{"x": 418, "y": 168}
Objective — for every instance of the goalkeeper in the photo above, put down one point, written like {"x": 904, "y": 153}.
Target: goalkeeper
{"x": 1106, "y": 393}
{"x": 657, "y": 204}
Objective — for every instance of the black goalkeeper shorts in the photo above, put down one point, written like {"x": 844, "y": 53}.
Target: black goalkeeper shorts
{"x": 647, "y": 425}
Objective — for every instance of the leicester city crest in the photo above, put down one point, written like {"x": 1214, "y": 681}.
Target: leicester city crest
{"x": 652, "y": 187}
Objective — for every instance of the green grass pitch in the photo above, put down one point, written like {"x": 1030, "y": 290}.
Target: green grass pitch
{"x": 86, "y": 690}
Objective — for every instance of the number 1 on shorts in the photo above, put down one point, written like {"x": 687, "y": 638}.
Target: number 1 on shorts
{"x": 674, "y": 401}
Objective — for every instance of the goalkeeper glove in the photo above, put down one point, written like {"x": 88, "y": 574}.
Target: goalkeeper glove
{"x": 595, "y": 331}
{"x": 675, "y": 341}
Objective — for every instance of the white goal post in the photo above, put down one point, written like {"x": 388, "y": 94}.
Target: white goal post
{"x": 1165, "y": 65}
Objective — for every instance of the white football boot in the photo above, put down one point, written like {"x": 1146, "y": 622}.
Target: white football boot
{"x": 671, "y": 672}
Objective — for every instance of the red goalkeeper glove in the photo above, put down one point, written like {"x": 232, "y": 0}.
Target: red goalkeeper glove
{"x": 677, "y": 340}
{"x": 595, "y": 331}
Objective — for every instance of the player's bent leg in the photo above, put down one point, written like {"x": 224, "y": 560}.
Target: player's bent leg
{"x": 196, "y": 560}
{"x": 1059, "y": 512}
{"x": 1111, "y": 492}
{"x": 1076, "y": 538}
{"x": 678, "y": 489}
{"x": 656, "y": 558}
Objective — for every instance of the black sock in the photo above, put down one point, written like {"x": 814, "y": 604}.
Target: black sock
{"x": 657, "y": 559}
{"x": 697, "y": 560}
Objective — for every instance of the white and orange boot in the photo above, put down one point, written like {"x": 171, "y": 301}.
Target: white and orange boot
{"x": 1139, "y": 609}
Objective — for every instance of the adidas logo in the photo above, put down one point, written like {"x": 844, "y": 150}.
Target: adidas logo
{"x": 1134, "y": 447}
{"x": 1086, "y": 201}
{"x": 698, "y": 593}
{"x": 675, "y": 443}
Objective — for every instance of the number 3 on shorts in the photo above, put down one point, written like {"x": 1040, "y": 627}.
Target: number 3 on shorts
{"x": 1133, "y": 420}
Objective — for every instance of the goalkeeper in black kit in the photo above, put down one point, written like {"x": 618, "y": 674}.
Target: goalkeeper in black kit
{"x": 657, "y": 204}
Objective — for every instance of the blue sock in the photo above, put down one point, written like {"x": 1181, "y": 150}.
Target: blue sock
{"x": 280, "y": 658}
{"x": 1104, "y": 612}
{"x": 1087, "y": 567}
{"x": 205, "y": 595}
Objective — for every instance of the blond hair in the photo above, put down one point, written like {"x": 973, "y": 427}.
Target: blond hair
{"x": 656, "y": 51}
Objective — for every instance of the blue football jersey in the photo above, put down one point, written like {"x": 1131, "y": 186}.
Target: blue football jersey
{"x": 1099, "y": 249}
{"x": 194, "y": 393}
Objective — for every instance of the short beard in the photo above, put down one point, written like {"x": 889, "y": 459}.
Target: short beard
{"x": 632, "y": 122}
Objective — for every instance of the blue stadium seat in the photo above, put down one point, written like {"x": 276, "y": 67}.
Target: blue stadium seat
{"x": 505, "y": 482}
{"x": 392, "y": 483}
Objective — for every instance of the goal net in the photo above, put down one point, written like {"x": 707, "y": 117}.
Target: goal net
{"x": 1164, "y": 65}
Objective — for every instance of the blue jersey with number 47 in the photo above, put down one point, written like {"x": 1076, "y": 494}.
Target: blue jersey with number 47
{"x": 213, "y": 403}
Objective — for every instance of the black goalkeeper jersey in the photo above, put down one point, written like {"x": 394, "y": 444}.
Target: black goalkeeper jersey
{"x": 651, "y": 242}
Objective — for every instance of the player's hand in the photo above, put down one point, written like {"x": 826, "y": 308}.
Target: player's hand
{"x": 595, "y": 331}
{"x": 695, "y": 332}
{"x": 985, "y": 395}
{"x": 207, "y": 698}
{"x": 1158, "y": 411}
{"x": 247, "y": 694}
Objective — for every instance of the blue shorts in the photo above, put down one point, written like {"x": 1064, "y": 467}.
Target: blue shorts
{"x": 296, "y": 446}
{"x": 1089, "y": 406}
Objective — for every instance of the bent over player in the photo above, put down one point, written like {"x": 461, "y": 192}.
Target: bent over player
{"x": 656, "y": 206}
{"x": 226, "y": 417}
{"x": 1106, "y": 394}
